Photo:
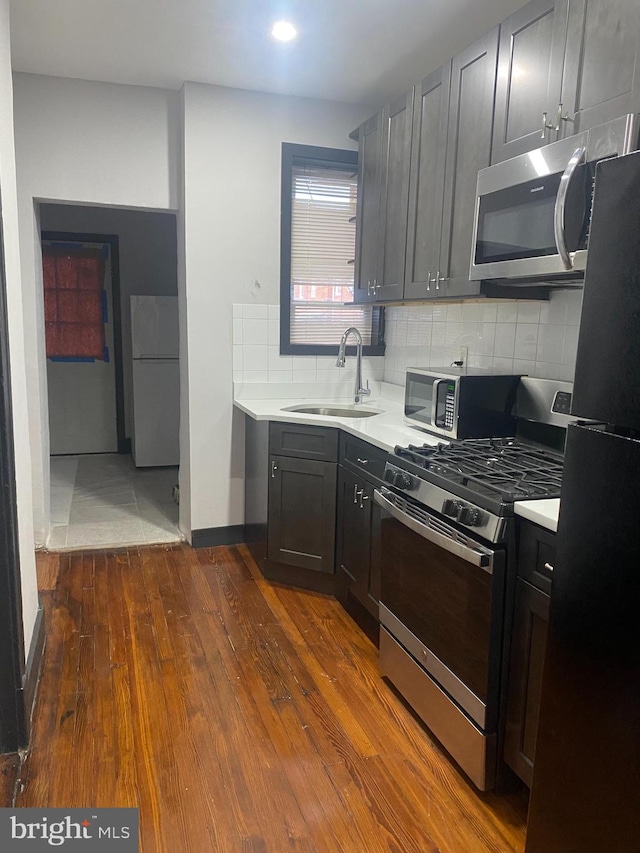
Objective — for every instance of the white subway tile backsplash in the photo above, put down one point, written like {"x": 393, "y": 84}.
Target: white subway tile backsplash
{"x": 273, "y": 332}
{"x": 255, "y": 331}
{"x": 526, "y": 341}
{"x": 255, "y": 312}
{"x": 536, "y": 338}
{"x": 507, "y": 312}
{"x": 570, "y": 344}
{"x": 255, "y": 357}
{"x": 504, "y": 339}
{"x": 550, "y": 344}
{"x": 454, "y": 312}
{"x": 528, "y": 312}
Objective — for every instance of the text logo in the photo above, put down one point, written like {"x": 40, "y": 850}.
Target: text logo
{"x": 69, "y": 829}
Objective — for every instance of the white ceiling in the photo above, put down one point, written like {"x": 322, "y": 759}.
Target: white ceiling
{"x": 362, "y": 51}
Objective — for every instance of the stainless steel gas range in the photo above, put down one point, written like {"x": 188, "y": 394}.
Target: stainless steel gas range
{"x": 446, "y": 558}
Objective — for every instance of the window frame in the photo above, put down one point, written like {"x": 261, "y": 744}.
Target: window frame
{"x": 294, "y": 154}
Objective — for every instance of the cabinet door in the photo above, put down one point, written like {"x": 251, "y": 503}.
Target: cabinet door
{"x": 368, "y": 211}
{"x": 529, "y": 641}
{"x": 426, "y": 184}
{"x": 302, "y": 513}
{"x": 473, "y": 80}
{"x": 354, "y": 535}
{"x": 394, "y": 199}
{"x": 601, "y": 69}
{"x": 530, "y": 59}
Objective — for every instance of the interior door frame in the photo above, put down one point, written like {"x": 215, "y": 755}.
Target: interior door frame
{"x": 124, "y": 443}
{"x": 13, "y": 718}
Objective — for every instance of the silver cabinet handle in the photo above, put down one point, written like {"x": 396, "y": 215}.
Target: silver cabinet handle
{"x": 559, "y": 210}
{"x": 274, "y": 468}
{"x": 439, "y": 278}
{"x": 430, "y": 280}
{"x": 548, "y": 567}
{"x": 362, "y": 461}
{"x": 546, "y": 126}
{"x": 363, "y": 497}
{"x": 561, "y": 118}
{"x": 357, "y": 494}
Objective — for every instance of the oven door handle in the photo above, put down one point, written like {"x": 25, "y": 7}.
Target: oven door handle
{"x": 559, "y": 230}
{"x": 483, "y": 559}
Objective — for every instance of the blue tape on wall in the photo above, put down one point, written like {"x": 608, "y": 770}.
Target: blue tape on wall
{"x": 71, "y": 358}
{"x": 105, "y": 309}
{"x": 58, "y": 245}
{"x": 105, "y": 355}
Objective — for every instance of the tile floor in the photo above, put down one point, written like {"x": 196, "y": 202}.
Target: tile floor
{"x": 104, "y": 500}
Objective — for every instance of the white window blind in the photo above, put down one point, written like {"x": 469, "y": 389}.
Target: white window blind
{"x": 323, "y": 235}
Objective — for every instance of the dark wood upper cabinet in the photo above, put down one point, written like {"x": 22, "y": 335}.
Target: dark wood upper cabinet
{"x": 368, "y": 211}
{"x": 394, "y": 197}
{"x": 473, "y": 83}
{"x": 530, "y": 60}
{"x": 426, "y": 184}
{"x": 601, "y": 69}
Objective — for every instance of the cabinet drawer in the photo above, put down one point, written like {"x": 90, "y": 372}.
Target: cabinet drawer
{"x": 362, "y": 458}
{"x": 537, "y": 550}
{"x": 304, "y": 442}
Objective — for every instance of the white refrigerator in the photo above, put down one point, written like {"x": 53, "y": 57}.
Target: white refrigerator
{"x": 156, "y": 381}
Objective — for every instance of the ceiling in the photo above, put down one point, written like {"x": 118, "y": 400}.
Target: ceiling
{"x": 361, "y": 51}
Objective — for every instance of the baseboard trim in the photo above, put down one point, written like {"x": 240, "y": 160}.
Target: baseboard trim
{"x": 34, "y": 666}
{"x": 210, "y": 537}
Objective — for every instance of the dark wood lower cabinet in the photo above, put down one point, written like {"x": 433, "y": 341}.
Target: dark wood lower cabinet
{"x": 529, "y": 640}
{"x": 302, "y": 513}
{"x": 357, "y": 584}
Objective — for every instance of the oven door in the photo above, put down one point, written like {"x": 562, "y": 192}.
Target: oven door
{"x": 441, "y": 597}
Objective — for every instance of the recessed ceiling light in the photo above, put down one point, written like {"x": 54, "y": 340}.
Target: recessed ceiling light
{"x": 283, "y": 31}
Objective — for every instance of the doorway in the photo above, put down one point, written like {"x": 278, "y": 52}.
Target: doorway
{"x": 83, "y": 341}
{"x": 102, "y": 405}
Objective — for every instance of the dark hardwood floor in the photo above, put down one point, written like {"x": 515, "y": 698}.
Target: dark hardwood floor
{"x": 237, "y": 715}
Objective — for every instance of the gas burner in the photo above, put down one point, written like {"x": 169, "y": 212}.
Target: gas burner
{"x": 502, "y": 469}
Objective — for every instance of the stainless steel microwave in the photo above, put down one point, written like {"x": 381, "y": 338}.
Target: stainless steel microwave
{"x": 533, "y": 212}
{"x": 458, "y": 403}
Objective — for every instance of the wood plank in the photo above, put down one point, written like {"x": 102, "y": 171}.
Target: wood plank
{"x": 183, "y": 683}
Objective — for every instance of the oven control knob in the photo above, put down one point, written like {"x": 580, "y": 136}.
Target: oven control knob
{"x": 451, "y": 508}
{"x": 402, "y": 481}
{"x": 470, "y": 517}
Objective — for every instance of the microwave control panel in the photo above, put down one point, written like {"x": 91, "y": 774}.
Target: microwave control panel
{"x": 446, "y": 405}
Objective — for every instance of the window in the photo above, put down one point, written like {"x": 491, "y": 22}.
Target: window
{"x": 74, "y": 303}
{"x": 318, "y": 234}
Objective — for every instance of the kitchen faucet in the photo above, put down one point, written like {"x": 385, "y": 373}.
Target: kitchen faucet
{"x": 359, "y": 392}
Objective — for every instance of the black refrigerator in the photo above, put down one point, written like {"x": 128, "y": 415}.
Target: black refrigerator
{"x": 585, "y": 794}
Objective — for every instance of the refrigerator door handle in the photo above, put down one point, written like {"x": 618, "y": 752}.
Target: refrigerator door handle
{"x": 559, "y": 210}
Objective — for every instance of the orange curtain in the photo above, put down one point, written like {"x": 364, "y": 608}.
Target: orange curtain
{"x": 73, "y": 307}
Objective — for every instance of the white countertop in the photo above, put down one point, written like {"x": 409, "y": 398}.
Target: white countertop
{"x": 266, "y": 402}
{"x": 383, "y": 430}
{"x": 542, "y": 512}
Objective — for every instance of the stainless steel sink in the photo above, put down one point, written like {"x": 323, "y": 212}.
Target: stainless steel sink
{"x": 345, "y": 411}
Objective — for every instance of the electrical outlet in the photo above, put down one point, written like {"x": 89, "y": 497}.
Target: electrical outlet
{"x": 463, "y": 354}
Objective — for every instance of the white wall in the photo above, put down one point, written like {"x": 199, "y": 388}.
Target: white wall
{"x": 16, "y": 339}
{"x": 232, "y": 153}
{"x": 93, "y": 143}
{"x": 148, "y": 260}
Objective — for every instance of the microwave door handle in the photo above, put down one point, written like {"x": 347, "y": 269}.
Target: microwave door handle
{"x": 434, "y": 401}
{"x": 561, "y": 202}
{"x": 483, "y": 557}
